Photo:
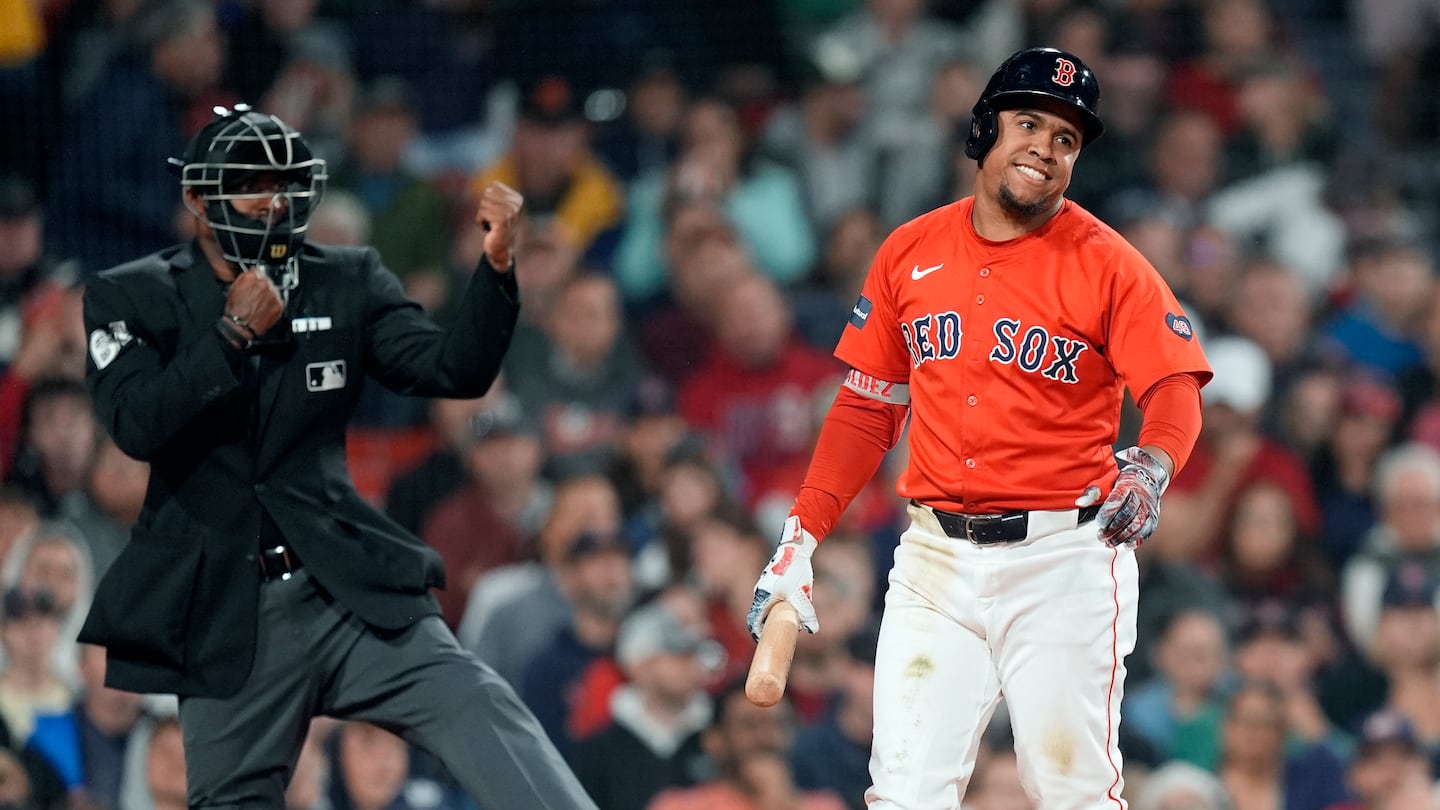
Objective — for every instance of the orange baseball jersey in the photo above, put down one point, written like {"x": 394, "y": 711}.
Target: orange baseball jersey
{"x": 1016, "y": 354}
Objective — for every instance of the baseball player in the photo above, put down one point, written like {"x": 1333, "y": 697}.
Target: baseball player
{"x": 1007, "y": 325}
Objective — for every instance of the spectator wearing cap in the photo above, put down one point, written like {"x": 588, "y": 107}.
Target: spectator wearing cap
{"x": 1344, "y": 469}
{"x": 550, "y": 162}
{"x": 1231, "y": 455}
{"x": 578, "y": 382}
{"x": 834, "y": 754}
{"x": 1275, "y": 645}
{"x": 576, "y": 662}
{"x": 490, "y": 521}
{"x": 1388, "y": 760}
{"x": 1406, "y": 648}
{"x": 411, "y": 217}
{"x": 29, "y": 686}
{"x": 1407, "y": 495}
{"x": 652, "y": 741}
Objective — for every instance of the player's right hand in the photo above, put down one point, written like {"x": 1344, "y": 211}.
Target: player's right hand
{"x": 254, "y": 302}
{"x": 788, "y": 577}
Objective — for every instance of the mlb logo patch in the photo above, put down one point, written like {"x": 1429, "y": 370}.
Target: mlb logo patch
{"x": 327, "y": 376}
{"x": 1180, "y": 325}
{"x": 860, "y": 312}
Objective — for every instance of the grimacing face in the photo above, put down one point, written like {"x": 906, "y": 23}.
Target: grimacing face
{"x": 1030, "y": 166}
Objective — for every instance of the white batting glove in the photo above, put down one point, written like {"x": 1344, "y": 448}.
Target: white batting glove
{"x": 1131, "y": 513}
{"x": 788, "y": 577}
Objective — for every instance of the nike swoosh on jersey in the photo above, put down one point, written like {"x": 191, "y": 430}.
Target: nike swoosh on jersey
{"x": 918, "y": 274}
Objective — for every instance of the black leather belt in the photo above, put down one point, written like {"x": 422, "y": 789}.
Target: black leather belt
{"x": 278, "y": 562}
{"x": 984, "y": 530}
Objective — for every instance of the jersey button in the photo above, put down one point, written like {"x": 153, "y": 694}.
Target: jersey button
{"x": 979, "y": 299}
{"x": 984, "y": 272}
{"x": 970, "y": 463}
{"x": 973, "y": 400}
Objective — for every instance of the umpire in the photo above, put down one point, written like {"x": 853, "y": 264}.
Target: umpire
{"x": 257, "y": 584}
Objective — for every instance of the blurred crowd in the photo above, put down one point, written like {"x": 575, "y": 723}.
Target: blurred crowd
{"x": 706, "y": 183}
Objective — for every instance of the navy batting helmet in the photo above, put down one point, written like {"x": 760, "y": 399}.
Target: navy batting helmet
{"x": 1028, "y": 74}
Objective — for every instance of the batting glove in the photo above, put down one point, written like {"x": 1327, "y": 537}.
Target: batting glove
{"x": 1131, "y": 513}
{"x": 788, "y": 577}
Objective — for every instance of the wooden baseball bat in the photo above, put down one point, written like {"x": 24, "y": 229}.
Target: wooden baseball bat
{"x": 770, "y": 668}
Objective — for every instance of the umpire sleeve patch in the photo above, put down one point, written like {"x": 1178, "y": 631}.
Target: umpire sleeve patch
{"x": 860, "y": 313}
{"x": 107, "y": 343}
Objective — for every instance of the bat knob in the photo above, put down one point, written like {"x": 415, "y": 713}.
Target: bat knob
{"x": 764, "y": 689}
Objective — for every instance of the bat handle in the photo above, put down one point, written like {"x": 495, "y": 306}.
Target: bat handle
{"x": 770, "y": 668}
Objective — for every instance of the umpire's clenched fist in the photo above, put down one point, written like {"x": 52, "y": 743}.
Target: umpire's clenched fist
{"x": 254, "y": 303}
{"x": 499, "y": 215}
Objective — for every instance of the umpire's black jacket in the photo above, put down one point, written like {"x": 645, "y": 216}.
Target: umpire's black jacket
{"x": 177, "y": 611}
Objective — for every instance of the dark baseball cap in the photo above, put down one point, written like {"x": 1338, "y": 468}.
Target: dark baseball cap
{"x": 1365, "y": 396}
{"x": 1386, "y": 727}
{"x": 1269, "y": 619}
{"x": 506, "y": 417}
{"x": 551, "y": 100}
{"x": 1411, "y": 585}
{"x": 17, "y": 198}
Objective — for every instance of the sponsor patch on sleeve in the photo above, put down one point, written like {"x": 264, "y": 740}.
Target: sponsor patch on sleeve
{"x": 107, "y": 343}
{"x": 883, "y": 390}
{"x": 1180, "y": 325}
{"x": 860, "y": 313}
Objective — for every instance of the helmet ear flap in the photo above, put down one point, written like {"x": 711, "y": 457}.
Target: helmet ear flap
{"x": 983, "y": 131}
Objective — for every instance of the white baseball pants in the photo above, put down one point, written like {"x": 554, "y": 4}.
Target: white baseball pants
{"x": 1047, "y": 622}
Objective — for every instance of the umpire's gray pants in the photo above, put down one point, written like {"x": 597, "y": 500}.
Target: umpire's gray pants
{"x": 314, "y": 657}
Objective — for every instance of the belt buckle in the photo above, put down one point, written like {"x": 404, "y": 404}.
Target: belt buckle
{"x": 970, "y": 531}
{"x": 280, "y": 566}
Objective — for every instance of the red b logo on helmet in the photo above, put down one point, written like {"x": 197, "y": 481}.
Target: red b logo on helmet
{"x": 1064, "y": 72}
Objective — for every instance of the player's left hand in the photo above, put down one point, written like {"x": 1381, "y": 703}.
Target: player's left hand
{"x": 1131, "y": 513}
{"x": 499, "y": 214}
{"x": 788, "y": 577}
